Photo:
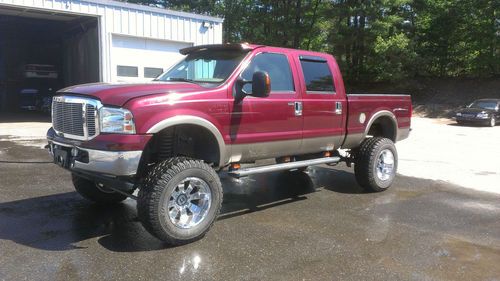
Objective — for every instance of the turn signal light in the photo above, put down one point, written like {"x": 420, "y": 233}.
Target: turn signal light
{"x": 328, "y": 154}
{"x": 235, "y": 166}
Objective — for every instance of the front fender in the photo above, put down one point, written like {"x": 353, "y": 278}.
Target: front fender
{"x": 194, "y": 120}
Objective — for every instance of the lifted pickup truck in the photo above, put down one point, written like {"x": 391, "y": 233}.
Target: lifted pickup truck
{"x": 220, "y": 107}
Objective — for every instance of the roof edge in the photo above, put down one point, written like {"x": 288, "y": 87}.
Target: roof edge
{"x": 154, "y": 9}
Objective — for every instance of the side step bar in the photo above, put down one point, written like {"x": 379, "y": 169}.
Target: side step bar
{"x": 282, "y": 166}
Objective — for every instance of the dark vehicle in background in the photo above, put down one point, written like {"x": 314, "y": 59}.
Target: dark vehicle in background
{"x": 483, "y": 111}
{"x": 39, "y": 86}
{"x": 29, "y": 99}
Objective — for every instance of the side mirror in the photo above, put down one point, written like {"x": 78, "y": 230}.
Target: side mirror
{"x": 261, "y": 84}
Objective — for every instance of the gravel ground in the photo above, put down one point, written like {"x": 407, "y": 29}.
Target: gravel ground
{"x": 438, "y": 149}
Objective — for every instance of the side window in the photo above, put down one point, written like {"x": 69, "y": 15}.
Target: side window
{"x": 317, "y": 75}
{"x": 278, "y": 68}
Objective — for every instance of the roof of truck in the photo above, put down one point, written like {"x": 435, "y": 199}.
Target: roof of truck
{"x": 245, "y": 47}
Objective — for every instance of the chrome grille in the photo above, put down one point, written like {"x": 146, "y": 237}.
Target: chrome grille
{"x": 75, "y": 117}
{"x": 91, "y": 114}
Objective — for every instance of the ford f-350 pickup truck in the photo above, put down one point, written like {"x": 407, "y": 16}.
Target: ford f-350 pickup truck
{"x": 220, "y": 107}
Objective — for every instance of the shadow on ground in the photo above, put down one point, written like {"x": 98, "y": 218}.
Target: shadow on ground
{"x": 58, "y": 222}
{"x": 24, "y": 116}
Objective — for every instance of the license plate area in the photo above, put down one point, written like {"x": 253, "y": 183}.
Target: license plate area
{"x": 62, "y": 156}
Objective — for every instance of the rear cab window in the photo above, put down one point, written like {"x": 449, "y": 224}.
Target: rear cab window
{"x": 318, "y": 76}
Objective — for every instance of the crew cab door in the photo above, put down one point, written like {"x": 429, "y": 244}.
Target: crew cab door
{"x": 272, "y": 126}
{"x": 324, "y": 103}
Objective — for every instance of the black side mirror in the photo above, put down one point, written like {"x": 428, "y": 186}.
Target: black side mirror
{"x": 261, "y": 84}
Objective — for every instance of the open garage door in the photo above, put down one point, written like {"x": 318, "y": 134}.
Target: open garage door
{"x": 139, "y": 59}
{"x": 42, "y": 52}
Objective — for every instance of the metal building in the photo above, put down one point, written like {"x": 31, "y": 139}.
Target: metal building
{"x": 55, "y": 43}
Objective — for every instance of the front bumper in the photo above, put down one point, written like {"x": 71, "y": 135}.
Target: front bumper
{"x": 74, "y": 155}
{"x": 114, "y": 163}
{"x": 472, "y": 119}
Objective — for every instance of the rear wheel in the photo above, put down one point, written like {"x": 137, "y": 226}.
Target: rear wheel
{"x": 180, "y": 200}
{"x": 95, "y": 192}
{"x": 376, "y": 164}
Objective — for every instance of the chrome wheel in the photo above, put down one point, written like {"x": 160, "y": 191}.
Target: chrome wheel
{"x": 189, "y": 202}
{"x": 385, "y": 165}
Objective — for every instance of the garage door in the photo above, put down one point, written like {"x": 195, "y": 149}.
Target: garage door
{"x": 139, "y": 59}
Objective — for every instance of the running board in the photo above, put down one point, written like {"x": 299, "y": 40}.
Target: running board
{"x": 283, "y": 166}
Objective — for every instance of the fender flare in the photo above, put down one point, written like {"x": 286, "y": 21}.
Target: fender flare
{"x": 193, "y": 120}
{"x": 382, "y": 113}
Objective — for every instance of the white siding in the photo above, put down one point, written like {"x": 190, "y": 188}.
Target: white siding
{"x": 117, "y": 18}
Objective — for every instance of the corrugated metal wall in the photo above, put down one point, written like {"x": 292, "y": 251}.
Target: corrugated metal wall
{"x": 133, "y": 20}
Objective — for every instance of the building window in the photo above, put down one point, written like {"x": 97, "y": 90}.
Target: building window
{"x": 317, "y": 75}
{"x": 152, "y": 72}
{"x": 127, "y": 71}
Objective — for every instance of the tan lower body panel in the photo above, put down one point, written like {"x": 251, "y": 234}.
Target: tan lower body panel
{"x": 266, "y": 150}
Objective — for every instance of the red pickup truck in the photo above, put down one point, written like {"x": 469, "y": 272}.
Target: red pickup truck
{"x": 220, "y": 107}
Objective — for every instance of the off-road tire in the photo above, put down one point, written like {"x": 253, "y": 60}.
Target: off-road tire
{"x": 365, "y": 167}
{"x": 90, "y": 191}
{"x": 160, "y": 182}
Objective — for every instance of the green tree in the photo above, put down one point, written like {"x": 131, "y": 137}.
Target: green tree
{"x": 380, "y": 40}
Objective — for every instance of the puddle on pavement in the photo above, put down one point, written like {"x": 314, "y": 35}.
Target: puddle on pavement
{"x": 462, "y": 260}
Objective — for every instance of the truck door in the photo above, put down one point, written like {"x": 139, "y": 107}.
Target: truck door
{"x": 324, "y": 108}
{"x": 272, "y": 126}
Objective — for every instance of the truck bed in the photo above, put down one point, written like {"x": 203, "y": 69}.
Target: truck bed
{"x": 364, "y": 108}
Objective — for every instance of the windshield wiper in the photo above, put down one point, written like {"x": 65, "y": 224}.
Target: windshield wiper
{"x": 180, "y": 79}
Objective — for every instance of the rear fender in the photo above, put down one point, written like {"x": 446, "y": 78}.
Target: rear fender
{"x": 379, "y": 114}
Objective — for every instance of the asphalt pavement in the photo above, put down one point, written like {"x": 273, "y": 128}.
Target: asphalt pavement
{"x": 317, "y": 225}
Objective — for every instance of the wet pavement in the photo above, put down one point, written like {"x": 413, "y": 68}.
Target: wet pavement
{"x": 317, "y": 225}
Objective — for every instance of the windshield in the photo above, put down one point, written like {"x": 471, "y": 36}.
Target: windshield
{"x": 484, "y": 104}
{"x": 208, "y": 66}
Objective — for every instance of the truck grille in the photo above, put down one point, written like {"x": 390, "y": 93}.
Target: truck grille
{"x": 75, "y": 117}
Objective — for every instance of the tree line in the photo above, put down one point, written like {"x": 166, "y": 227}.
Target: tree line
{"x": 379, "y": 40}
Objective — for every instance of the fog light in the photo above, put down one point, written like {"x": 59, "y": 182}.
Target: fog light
{"x": 74, "y": 152}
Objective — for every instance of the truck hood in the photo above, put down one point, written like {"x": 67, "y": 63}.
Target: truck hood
{"x": 118, "y": 94}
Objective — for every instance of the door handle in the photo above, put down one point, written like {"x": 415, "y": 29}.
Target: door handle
{"x": 338, "y": 107}
{"x": 297, "y": 105}
{"x": 298, "y": 108}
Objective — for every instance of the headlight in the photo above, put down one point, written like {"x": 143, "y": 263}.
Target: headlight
{"x": 116, "y": 120}
{"x": 459, "y": 113}
{"x": 482, "y": 115}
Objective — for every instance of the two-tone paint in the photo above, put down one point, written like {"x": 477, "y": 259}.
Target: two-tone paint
{"x": 255, "y": 128}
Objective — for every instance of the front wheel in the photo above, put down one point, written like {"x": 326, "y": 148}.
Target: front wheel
{"x": 376, "y": 164}
{"x": 180, "y": 200}
{"x": 492, "y": 122}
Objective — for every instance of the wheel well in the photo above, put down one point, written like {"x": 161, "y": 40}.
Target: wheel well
{"x": 182, "y": 140}
{"x": 383, "y": 126}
